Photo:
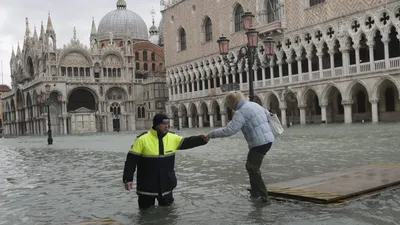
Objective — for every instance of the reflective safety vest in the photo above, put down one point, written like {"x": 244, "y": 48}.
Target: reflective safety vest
{"x": 155, "y": 166}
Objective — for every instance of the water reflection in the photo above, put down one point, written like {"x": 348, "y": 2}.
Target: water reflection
{"x": 79, "y": 178}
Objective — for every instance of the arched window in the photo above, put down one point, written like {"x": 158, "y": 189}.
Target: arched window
{"x": 238, "y": 18}
{"x": 139, "y": 112}
{"x": 143, "y": 112}
{"x": 137, "y": 66}
{"x": 153, "y": 56}
{"x": 145, "y": 68}
{"x": 153, "y": 67}
{"x": 136, "y": 56}
{"x": 145, "y": 55}
{"x": 208, "y": 29}
{"x": 182, "y": 39}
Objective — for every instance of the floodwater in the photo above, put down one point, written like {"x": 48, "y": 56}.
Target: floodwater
{"x": 79, "y": 178}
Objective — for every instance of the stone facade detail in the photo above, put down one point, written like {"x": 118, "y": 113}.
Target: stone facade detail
{"x": 317, "y": 69}
{"x": 116, "y": 84}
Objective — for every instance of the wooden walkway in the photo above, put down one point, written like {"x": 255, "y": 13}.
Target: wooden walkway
{"x": 341, "y": 186}
{"x": 103, "y": 221}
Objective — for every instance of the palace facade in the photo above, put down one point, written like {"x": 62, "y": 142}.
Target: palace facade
{"x": 334, "y": 61}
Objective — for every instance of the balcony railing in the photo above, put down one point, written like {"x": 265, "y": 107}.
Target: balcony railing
{"x": 379, "y": 66}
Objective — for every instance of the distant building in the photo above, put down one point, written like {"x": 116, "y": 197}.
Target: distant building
{"x": 3, "y": 89}
{"x": 116, "y": 84}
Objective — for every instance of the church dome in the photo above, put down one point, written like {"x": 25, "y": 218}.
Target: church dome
{"x": 121, "y": 20}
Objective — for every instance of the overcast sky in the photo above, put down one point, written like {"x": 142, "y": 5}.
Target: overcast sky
{"x": 65, "y": 15}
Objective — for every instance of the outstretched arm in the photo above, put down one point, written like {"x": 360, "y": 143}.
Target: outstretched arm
{"x": 231, "y": 128}
{"x": 192, "y": 142}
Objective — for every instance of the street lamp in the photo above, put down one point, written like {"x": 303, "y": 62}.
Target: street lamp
{"x": 47, "y": 101}
{"x": 248, "y": 52}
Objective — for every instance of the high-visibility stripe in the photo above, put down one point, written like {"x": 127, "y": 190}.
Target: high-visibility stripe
{"x": 152, "y": 193}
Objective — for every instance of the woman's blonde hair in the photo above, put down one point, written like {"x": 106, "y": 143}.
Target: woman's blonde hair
{"x": 233, "y": 98}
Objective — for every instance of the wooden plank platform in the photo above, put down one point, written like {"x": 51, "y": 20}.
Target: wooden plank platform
{"x": 336, "y": 187}
{"x": 100, "y": 221}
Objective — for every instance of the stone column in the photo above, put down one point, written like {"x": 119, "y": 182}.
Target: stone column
{"x": 190, "y": 118}
{"x": 320, "y": 63}
{"x": 386, "y": 47}
{"x": 332, "y": 58}
{"x": 374, "y": 109}
{"x": 211, "y": 120}
{"x": 223, "y": 119}
{"x": 346, "y": 60}
{"x": 309, "y": 57}
{"x": 299, "y": 67}
{"x": 263, "y": 76}
{"x": 271, "y": 72}
{"x": 357, "y": 50}
{"x": 65, "y": 125}
{"x": 289, "y": 62}
{"x": 283, "y": 116}
{"x": 180, "y": 121}
{"x": 280, "y": 72}
{"x": 347, "y": 104}
{"x": 302, "y": 114}
{"x": 371, "y": 54}
{"x": 201, "y": 122}
{"x": 323, "y": 112}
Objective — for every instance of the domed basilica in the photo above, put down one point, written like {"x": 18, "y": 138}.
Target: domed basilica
{"x": 116, "y": 84}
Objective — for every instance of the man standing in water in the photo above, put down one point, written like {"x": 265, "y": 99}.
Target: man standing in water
{"x": 153, "y": 153}
{"x": 252, "y": 119}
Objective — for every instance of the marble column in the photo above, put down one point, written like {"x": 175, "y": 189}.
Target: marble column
{"x": 348, "y": 115}
{"x": 323, "y": 112}
{"x": 190, "y": 118}
{"x": 201, "y": 122}
{"x": 374, "y": 109}
{"x": 302, "y": 114}
{"x": 223, "y": 119}
{"x": 211, "y": 120}
{"x": 283, "y": 116}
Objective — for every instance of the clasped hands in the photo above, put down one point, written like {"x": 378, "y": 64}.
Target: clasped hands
{"x": 205, "y": 137}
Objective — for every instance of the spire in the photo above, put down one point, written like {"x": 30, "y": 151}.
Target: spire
{"x": 12, "y": 53}
{"x": 41, "y": 37}
{"x": 74, "y": 37}
{"x": 27, "y": 31}
{"x": 121, "y": 4}
{"x": 35, "y": 36}
{"x": 49, "y": 25}
{"x": 94, "y": 30}
{"x": 18, "y": 50}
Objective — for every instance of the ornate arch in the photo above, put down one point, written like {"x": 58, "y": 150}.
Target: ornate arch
{"x": 375, "y": 89}
{"x": 121, "y": 89}
{"x": 327, "y": 89}
{"x": 268, "y": 97}
{"x": 77, "y": 50}
{"x": 200, "y": 107}
{"x": 182, "y": 108}
{"x": 91, "y": 90}
{"x": 113, "y": 52}
{"x": 213, "y": 104}
{"x": 191, "y": 106}
{"x": 349, "y": 88}
{"x": 303, "y": 99}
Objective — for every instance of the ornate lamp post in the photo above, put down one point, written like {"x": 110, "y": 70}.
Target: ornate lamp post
{"x": 47, "y": 101}
{"x": 248, "y": 52}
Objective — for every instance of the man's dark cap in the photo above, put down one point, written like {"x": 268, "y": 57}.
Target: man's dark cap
{"x": 160, "y": 118}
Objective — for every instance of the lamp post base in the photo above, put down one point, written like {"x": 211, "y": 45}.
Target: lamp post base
{"x": 49, "y": 138}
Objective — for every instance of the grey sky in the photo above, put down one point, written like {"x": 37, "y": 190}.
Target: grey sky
{"x": 65, "y": 15}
